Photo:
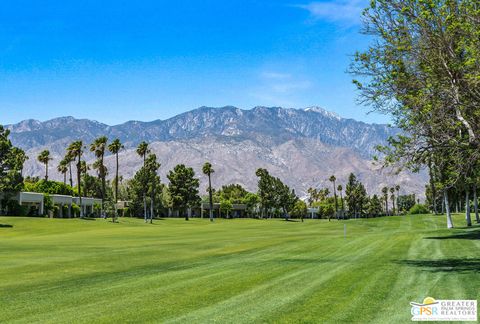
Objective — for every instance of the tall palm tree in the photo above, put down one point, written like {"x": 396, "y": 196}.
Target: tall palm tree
{"x": 397, "y": 189}
{"x": 392, "y": 197}
{"x": 385, "y": 196}
{"x": 208, "y": 170}
{"x": 75, "y": 151}
{"x": 340, "y": 189}
{"x": 69, "y": 159}
{"x": 143, "y": 150}
{"x": 332, "y": 180}
{"x": 44, "y": 157}
{"x": 115, "y": 148}
{"x": 63, "y": 169}
{"x": 98, "y": 147}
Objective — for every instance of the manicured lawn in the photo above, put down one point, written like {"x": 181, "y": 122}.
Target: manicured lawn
{"x": 236, "y": 271}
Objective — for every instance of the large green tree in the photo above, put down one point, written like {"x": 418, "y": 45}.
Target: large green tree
{"x": 183, "y": 188}
{"x": 423, "y": 70}
{"x": 11, "y": 165}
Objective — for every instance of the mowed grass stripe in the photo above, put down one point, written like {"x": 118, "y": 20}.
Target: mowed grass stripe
{"x": 230, "y": 271}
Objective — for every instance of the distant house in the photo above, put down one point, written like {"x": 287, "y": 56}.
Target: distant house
{"x": 36, "y": 203}
{"x": 237, "y": 211}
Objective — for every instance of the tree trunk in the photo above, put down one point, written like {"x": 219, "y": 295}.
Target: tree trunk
{"x": 71, "y": 178}
{"x": 46, "y": 171}
{"x": 467, "y": 207}
{"x": 144, "y": 207}
{"x": 152, "y": 203}
{"x": 447, "y": 209}
{"x": 475, "y": 203}
{"x": 103, "y": 187}
{"x": 79, "y": 175}
{"x": 210, "y": 198}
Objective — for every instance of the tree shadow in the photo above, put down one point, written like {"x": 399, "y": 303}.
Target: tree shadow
{"x": 445, "y": 265}
{"x": 6, "y": 226}
{"x": 471, "y": 235}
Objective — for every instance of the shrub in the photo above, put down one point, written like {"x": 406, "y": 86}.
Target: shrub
{"x": 15, "y": 209}
{"x": 419, "y": 209}
{"x": 75, "y": 210}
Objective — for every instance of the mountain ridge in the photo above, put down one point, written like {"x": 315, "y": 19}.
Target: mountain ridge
{"x": 272, "y": 137}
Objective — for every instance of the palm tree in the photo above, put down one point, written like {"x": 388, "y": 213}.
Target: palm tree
{"x": 115, "y": 148}
{"x": 385, "y": 196}
{"x": 69, "y": 159}
{"x": 99, "y": 146}
{"x": 397, "y": 189}
{"x": 143, "y": 150}
{"x": 75, "y": 151}
{"x": 44, "y": 157}
{"x": 208, "y": 170}
{"x": 340, "y": 189}
{"x": 332, "y": 180}
{"x": 63, "y": 169}
{"x": 392, "y": 197}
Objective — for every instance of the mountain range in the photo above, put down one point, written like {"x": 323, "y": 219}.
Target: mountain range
{"x": 301, "y": 146}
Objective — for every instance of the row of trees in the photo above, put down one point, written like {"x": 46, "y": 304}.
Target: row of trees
{"x": 356, "y": 202}
{"x": 423, "y": 70}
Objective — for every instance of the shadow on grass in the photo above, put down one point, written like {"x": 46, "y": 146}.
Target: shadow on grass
{"x": 88, "y": 218}
{"x": 6, "y": 226}
{"x": 445, "y": 265}
{"x": 470, "y": 235}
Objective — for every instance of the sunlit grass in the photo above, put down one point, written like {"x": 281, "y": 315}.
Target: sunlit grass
{"x": 61, "y": 270}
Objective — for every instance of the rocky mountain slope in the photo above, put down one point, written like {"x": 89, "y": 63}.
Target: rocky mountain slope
{"x": 302, "y": 146}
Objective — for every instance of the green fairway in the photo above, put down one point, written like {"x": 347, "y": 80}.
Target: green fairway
{"x": 237, "y": 271}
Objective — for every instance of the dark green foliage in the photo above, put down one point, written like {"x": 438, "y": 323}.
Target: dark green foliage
{"x": 405, "y": 202}
{"x": 275, "y": 196}
{"x": 419, "y": 209}
{"x": 183, "y": 188}
{"x": 49, "y": 187}
{"x": 11, "y": 165}
{"x": 355, "y": 196}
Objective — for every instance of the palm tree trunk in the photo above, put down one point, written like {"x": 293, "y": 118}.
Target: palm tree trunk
{"x": 210, "y": 197}
{"x": 71, "y": 178}
{"x": 46, "y": 171}
{"x": 467, "y": 207}
{"x": 144, "y": 207}
{"x": 116, "y": 187}
{"x": 447, "y": 209}
{"x": 103, "y": 186}
{"x": 475, "y": 203}
{"x": 65, "y": 178}
{"x": 79, "y": 185}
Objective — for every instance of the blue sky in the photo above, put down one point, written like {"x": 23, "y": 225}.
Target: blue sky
{"x": 115, "y": 61}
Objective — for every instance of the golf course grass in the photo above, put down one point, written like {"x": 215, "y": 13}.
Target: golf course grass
{"x": 232, "y": 271}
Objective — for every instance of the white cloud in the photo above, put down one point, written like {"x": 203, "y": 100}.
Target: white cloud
{"x": 278, "y": 88}
{"x": 347, "y": 12}
{"x": 268, "y": 75}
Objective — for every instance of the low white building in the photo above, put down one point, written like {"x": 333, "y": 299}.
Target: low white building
{"x": 35, "y": 201}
